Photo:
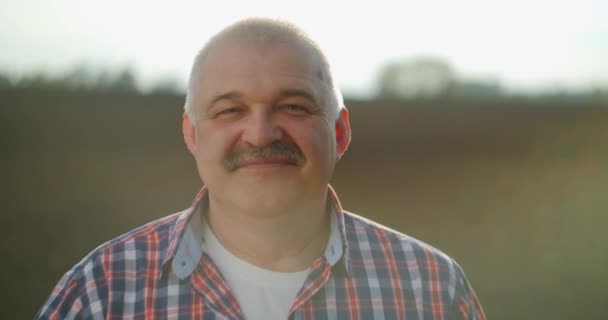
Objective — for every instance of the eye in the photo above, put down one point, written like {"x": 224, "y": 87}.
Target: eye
{"x": 228, "y": 112}
{"x": 295, "y": 109}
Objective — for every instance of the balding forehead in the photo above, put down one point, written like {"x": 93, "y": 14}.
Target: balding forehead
{"x": 241, "y": 42}
{"x": 263, "y": 34}
{"x": 264, "y": 31}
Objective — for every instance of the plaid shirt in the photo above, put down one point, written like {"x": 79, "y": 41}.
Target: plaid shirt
{"x": 159, "y": 271}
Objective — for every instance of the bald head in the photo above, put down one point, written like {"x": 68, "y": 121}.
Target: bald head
{"x": 260, "y": 34}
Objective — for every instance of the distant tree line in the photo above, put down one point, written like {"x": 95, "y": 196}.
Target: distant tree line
{"x": 419, "y": 78}
{"x": 428, "y": 77}
{"x": 84, "y": 79}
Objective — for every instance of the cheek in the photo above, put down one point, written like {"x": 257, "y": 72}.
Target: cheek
{"x": 316, "y": 140}
{"x": 213, "y": 143}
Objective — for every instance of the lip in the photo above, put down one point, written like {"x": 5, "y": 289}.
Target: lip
{"x": 267, "y": 163}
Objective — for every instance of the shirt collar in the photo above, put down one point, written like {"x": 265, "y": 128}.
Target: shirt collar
{"x": 186, "y": 246}
{"x": 180, "y": 231}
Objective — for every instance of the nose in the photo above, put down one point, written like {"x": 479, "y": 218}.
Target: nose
{"x": 261, "y": 129}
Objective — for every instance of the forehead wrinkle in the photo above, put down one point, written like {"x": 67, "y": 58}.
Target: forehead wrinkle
{"x": 301, "y": 71}
{"x": 262, "y": 32}
{"x": 231, "y": 95}
{"x": 298, "y": 51}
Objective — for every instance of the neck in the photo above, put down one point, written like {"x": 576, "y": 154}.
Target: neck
{"x": 285, "y": 240}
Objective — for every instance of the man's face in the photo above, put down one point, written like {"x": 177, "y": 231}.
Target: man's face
{"x": 264, "y": 135}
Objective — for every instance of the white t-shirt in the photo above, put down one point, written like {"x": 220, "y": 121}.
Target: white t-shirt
{"x": 262, "y": 294}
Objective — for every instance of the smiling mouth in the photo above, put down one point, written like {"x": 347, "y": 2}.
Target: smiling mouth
{"x": 277, "y": 154}
{"x": 267, "y": 162}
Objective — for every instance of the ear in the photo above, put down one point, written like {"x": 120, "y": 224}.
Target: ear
{"x": 342, "y": 133}
{"x": 189, "y": 132}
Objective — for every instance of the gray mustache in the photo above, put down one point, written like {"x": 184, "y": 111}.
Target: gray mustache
{"x": 277, "y": 149}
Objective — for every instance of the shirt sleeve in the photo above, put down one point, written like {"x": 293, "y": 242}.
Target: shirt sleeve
{"x": 78, "y": 295}
{"x": 465, "y": 305}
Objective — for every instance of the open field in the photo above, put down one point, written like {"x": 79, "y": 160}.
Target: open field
{"x": 514, "y": 190}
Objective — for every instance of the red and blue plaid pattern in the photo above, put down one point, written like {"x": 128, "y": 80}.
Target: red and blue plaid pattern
{"x": 382, "y": 274}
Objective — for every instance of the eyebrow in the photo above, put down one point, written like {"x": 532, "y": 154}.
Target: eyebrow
{"x": 232, "y": 95}
{"x": 288, "y": 93}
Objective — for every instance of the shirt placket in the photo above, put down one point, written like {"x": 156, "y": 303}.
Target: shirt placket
{"x": 317, "y": 278}
{"x": 215, "y": 292}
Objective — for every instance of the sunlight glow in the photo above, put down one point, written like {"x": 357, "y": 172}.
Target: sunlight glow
{"x": 526, "y": 45}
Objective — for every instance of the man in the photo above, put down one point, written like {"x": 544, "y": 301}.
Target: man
{"x": 266, "y": 238}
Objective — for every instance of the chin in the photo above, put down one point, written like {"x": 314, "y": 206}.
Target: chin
{"x": 266, "y": 204}
{"x": 272, "y": 195}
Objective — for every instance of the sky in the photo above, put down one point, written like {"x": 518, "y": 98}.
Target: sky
{"x": 525, "y": 45}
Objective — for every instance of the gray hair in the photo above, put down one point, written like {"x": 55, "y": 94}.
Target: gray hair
{"x": 263, "y": 32}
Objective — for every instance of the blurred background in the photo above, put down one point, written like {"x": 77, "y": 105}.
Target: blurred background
{"x": 480, "y": 127}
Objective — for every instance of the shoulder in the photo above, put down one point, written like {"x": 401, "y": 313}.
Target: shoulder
{"x": 404, "y": 248}
{"x": 376, "y": 246}
{"x": 411, "y": 264}
{"x": 151, "y": 237}
{"x": 413, "y": 269}
{"x": 81, "y": 291}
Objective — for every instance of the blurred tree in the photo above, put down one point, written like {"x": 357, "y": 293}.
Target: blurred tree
{"x": 423, "y": 77}
{"x": 5, "y": 81}
{"x": 80, "y": 77}
{"x": 124, "y": 81}
{"x": 167, "y": 85}
{"x": 40, "y": 80}
{"x": 430, "y": 77}
{"x": 475, "y": 89}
